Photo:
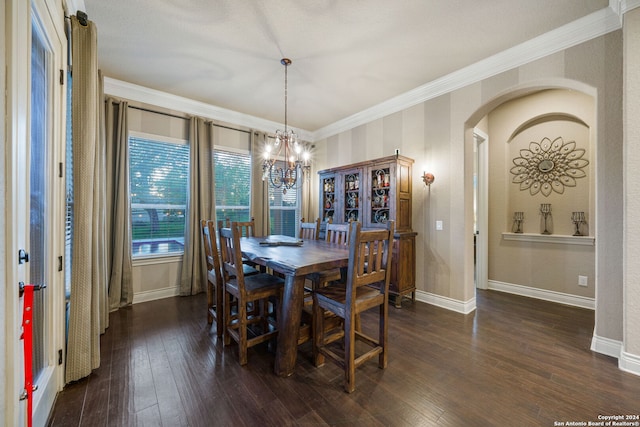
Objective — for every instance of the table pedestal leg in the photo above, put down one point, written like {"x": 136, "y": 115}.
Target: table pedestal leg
{"x": 289, "y": 325}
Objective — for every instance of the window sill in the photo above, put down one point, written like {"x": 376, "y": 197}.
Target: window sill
{"x": 156, "y": 259}
{"x": 550, "y": 238}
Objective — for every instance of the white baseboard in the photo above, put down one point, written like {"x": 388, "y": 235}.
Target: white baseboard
{"x": 155, "y": 294}
{"x": 629, "y": 363}
{"x": 606, "y": 346}
{"x": 543, "y": 294}
{"x": 464, "y": 307}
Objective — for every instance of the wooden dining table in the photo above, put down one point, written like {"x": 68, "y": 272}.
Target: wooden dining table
{"x": 295, "y": 259}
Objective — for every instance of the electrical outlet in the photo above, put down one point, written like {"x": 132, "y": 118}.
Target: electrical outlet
{"x": 439, "y": 225}
{"x": 583, "y": 281}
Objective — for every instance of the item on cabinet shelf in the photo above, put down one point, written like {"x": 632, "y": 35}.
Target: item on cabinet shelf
{"x": 379, "y": 179}
{"x": 518, "y": 218}
{"x": 545, "y": 211}
{"x": 578, "y": 219}
{"x": 381, "y": 217}
{"x": 352, "y": 200}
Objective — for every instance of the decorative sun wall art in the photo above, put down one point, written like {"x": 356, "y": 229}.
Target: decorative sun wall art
{"x": 549, "y": 166}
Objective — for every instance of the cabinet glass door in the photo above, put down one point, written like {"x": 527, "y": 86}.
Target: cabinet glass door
{"x": 352, "y": 197}
{"x": 380, "y": 195}
{"x": 328, "y": 198}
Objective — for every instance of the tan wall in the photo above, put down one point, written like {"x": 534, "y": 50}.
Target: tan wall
{"x": 632, "y": 189}
{"x": 438, "y": 135}
{"x": 512, "y": 127}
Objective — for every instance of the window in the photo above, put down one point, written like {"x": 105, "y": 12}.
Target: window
{"x": 68, "y": 218}
{"x": 233, "y": 185}
{"x": 159, "y": 179}
{"x": 284, "y": 209}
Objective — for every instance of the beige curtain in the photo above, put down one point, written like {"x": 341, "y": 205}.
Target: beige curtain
{"x": 200, "y": 205}
{"x": 260, "y": 191}
{"x": 88, "y": 314}
{"x": 305, "y": 208}
{"x": 118, "y": 207}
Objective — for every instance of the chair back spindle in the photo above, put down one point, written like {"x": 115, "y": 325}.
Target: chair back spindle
{"x": 309, "y": 230}
{"x": 338, "y": 233}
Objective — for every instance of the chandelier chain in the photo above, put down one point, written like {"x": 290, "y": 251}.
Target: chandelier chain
{"x": 286, "y": 67}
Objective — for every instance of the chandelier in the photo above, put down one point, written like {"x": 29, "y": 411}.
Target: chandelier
{"x": 289, "y": 173}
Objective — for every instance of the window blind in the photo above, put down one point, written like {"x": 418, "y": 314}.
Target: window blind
{"x": 233, "y": 185}
{"x": 159, "y": 179}
{"x": 284, "y": 209}
{"x": 68, "y": 218}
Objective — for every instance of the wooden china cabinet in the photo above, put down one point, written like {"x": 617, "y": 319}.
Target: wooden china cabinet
{"x": 374, "y": 192}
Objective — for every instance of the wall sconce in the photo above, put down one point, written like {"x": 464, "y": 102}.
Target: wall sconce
{"x": 428, "y": 179}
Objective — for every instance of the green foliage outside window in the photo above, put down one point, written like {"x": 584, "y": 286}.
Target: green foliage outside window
{"x": 159, "y": 177}
{"x": 233, "y": 185}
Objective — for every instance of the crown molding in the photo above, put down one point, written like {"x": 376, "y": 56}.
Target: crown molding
{"x": 625, "y": 5}
{"x": 134, "y": 92}
{"x": 589, "y": 27}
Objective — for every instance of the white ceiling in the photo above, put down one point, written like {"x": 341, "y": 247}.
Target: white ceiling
{"x": 348, "y": 55}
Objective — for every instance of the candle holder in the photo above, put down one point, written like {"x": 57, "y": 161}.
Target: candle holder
{"x": 545, "y": 211}
{"x": 578, "y": 219}
{"x": 518, "y": 218}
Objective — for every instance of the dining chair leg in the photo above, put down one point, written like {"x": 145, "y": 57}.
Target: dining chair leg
{"x": 317, "y": 323}
{"x": 242, "y": 333}
{"x": 264, "y": 313}
{"x": 210, "y": 301}
{"x": 349, "y": 354}
{"x": 226, "y": 319}
{"x": 384, "y": 328}
{"x": 220, "y": 311}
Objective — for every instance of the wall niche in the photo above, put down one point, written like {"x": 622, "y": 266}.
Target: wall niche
{"x": 541, "y": 153}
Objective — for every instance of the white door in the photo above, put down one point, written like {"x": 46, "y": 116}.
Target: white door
{"x": 35, "y": 55}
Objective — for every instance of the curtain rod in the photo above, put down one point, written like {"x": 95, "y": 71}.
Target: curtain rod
{"x": 183, "y": 118}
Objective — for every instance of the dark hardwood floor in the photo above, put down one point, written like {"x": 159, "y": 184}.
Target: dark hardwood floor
{"x": 514, "y": 362}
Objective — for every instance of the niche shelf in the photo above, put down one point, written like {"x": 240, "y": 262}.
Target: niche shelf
{"x": 550, "y": 238}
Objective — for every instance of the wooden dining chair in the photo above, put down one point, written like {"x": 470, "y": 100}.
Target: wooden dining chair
{"x": 335, "y": 233}
{"x": 214, "y": 276}
{"x": 338, "y": 233}
{"x": 254, "y": 291}
{"x": 247, "y": 228}
{"x": 309, "y": 230}
{"x": 369, "y": 264}
{"x": 323, "y": 228}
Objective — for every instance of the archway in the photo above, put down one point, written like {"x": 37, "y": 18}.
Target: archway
{"x": 479, "y": 118}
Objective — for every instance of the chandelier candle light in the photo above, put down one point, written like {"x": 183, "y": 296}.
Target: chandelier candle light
{"x": 296, "y": 160}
